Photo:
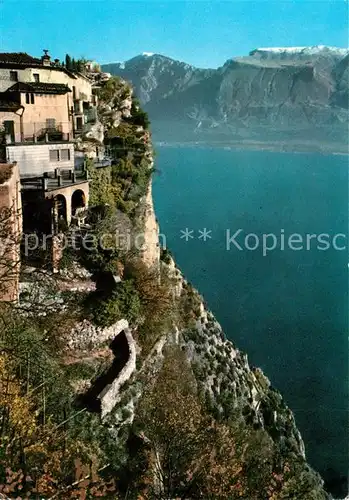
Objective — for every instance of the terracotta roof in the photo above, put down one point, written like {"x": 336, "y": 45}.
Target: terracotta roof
{"x": 9, "y": 105}
{"x": 40, "y": 88}
{"x": 18, "y": 58}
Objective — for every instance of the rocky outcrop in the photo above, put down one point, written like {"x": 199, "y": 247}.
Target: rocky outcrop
{"x": 231, "y": 385}
{"x": 94, "y": 132}
{"x": 86, "y": 335}
{"x": 116, "y": 104}
{"x": 150, "y": 252}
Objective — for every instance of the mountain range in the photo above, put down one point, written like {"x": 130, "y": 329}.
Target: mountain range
{"x": 275, "y": 98}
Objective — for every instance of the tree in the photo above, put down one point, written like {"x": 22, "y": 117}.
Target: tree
{"x": 38, "y": 450}
{"x": 10, "y": 239}
{"x": 189, "y": 455}
{"x": 157, "y": 302}
{"x": 138, "y": 116}
{"x": 68, "y": 62}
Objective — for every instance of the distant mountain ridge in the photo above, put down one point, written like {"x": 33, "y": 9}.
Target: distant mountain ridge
{"x": 282, "y": 97}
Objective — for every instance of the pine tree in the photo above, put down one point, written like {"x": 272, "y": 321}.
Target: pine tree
{"x": 68, "y": 62}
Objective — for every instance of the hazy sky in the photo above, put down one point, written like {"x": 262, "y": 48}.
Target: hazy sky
{"x": 203, "y": 33}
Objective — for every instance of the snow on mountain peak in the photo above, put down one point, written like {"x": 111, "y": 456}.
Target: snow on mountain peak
{"x": 147, "y": 54}
{"x": 315, "y": 49}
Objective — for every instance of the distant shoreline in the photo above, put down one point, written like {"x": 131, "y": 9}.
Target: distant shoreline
{"x": 257, "y": 146}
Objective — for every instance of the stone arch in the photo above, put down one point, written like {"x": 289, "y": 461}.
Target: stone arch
{"x": 78, "y": 200}
{"x": 61, "y": 213}
{"x": 61, "y": 204}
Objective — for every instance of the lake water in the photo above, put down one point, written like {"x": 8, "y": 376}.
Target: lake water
{"x": 288, "y": 309}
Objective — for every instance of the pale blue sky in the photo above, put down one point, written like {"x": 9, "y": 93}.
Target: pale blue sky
{"x": 203, "y": 33}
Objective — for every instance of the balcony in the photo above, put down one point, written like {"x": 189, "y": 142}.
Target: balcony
{"x": 102, "y": 163}
{"x": 51, "y": 181}
{"x": 40, "y": 132}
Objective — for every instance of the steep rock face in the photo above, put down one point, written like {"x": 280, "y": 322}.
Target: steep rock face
{"x": 229, "y": 384}
{"x": 118, "y": 106}
{"x": 155, "y": 76}
{"x": 230, "y": 387}
{"x": 270, "y": 95}
{"x": 340, "y": 74}
{"x": 151, "y": 249}
{"x": 233, "y": 385}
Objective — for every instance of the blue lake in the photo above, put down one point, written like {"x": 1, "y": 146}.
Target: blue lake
{"x": 287, "y": 309}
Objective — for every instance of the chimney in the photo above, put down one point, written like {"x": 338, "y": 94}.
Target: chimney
{"x": 46, "y": 59}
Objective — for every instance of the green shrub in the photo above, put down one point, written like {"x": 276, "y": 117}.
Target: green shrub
{"x": 124, "y": 302}
{"x": 165, "y": 255}
{"x": 80, "y": 371}
{"x": 68, "y": 258}
{"x": 139, "y": 117}
{"x": 126, "y": 413}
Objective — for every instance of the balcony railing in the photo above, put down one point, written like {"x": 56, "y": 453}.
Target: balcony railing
{"x": 101, "y": 163}
{"x": 54, "y": 180}
{"x": 40, "y": 132}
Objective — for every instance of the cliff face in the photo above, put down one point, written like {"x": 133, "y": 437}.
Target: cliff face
{"x": 228, "y": 387}
{"x": 285, "y": 97}
{"x": 155, "y": 76}
{"x": 151, "y": 251}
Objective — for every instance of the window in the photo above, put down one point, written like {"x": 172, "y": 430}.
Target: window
{"x": 14, "y": 76}
{"x": 36, "y": 77}
{"x": 51, "y": 123}
{"x": 29, "y": 98}
{"x": 78, "y": 123}
{"x": 65, "y": 154}
{"x": 9, "y": 128}
{"x": 76, "y": 107}
{"x": 54, "y": 154}
{"x": 59, "y": 154}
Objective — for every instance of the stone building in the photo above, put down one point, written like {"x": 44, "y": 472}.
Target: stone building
{"x": 39, "y": 134}
{"x": 34, "y": 110}
{"x": 44, "y": 108}
{"x": 21, "y": 68}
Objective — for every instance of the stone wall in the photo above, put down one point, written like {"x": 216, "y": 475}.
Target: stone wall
{"x": 86, "y": 335}
{"x": 110, "y": 396}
